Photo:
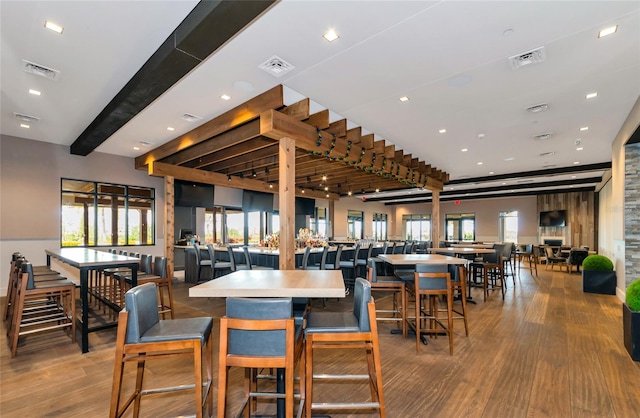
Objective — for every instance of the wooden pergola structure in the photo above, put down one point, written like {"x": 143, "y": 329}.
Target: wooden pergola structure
{"x": 248, "y": 147}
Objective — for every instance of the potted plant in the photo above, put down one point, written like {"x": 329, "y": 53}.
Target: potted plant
{"x": 598, "y": 275}
{"x": 631, "y": 320}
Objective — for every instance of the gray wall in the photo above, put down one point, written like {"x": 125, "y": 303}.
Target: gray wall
{"x": 30, "y": 173}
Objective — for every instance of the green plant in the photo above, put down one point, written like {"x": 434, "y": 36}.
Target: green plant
{"x": 597, "y": 262}
{"x": 633, "y": 296}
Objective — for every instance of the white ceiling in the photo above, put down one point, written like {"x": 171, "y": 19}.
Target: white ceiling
{"x": 449, "y": 57}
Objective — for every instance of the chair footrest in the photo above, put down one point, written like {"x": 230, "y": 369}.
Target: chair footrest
{"x": 342, "y": 376}
{"x": 353, "y": 405}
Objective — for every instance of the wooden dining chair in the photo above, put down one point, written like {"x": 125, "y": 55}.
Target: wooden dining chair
{"x": 396, "y": 287}
{"x": 142, "y": 336}
{"x": 260, "y": 333}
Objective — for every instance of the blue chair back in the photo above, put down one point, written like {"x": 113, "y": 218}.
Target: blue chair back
{"x": 232, "y": 257}
{"x": 361, "y": 297}
{"x": 247, "y": 257}
{"x": 426, "y": 283}
{"x": 142, "y": 304}
{"x": 305, "y": 258}
{"x": 160, "y": 267}
{"x": 27, "y": 268}
{"x": 145, "y": 263}
{"x": 323, "y": 258}
{"x": 258, "y": 343}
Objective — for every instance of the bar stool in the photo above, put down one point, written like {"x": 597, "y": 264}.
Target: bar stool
{"x": 142, "y": 336}
{"x": 393, "y": 285}
{"x": 217, "y": 265}
{"x": 235, "y": 266}
{"x": 323, "y": 260}
{"x": 40, "y": 307}
{"x": 260, "y": 333}
{"x": 346, "y": 330}
{"x": 305, "y": 259}
{"x": 200, "y": 262}
{"x": 249, "y": 261}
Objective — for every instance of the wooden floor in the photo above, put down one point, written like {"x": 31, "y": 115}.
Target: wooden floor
{"x": 548, "y": 350}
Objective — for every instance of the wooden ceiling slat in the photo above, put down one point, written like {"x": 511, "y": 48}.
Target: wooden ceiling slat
{"x": 398, "y": 156}
{"x": 239, "y": 162}
{"x": 379, "y": 147}
{"x": 251, "y": 109}
{"x": 299, "y": 110}
{"x": 239, "y": 150}
{"x": 338, "y": 128}
{"x": 319, "y": 120}
{"x": 227, "y": 139}
{"x": 367, "y": 141}
{"x": 390, "y": 151}
{"x": 354, "y": 135}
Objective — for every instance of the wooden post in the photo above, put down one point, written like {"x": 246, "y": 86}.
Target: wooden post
{"x": 287, "y": 178}
{"x": 435, "y": 218}
{"x": 169, "y": 237}
{"x": 332, "y": 211}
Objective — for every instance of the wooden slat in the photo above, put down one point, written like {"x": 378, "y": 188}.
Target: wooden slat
{"x": 339, "y": 128}
{"x": 271, "y": 99}
{"x": 367, "y": 141}
{"x": 319, "y": 120}
{"x": 299, "y": 110}
{"x": 354, "y": 135}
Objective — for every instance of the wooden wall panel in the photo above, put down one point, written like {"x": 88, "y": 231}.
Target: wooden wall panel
{"x": 581, "y": 222}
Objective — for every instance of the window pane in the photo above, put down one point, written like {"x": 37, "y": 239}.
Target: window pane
{"x": 134, "y": 221}
{"x": 73, "y": 223}
{"x": 235, "y": 227}
{"x": 253, "y": 218}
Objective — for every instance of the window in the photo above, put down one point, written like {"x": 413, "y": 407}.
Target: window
{"x": 255, "y": 226}
{"x": 318, "y": 224}
{"x": 417, "y": 227}
{"x": 99, "y": 214}
{"x": 380, "y": 226}
{"x": 234, "y": 224}
{"x": 354, "y": 224}
{"x": 508, "y": 226}
{"x": 461, "y": 226}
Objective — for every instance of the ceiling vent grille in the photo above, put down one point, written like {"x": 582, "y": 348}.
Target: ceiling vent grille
{"x": 190, "y": 118}
{"x": 26, "y": 118}
{"x": 538, "y": 108}
{"x": 276, "y": 66}
{"x": 547, "y": 154}
{"x": 42, "y": 71}
{"x": 530, "y": 57}
{"x": 542, "y": 137}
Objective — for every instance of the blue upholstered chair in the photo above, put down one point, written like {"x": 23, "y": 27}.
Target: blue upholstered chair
{"x": 260, "y": 333}
{"x": 143, "y": 336}
{"x": 346, "y": 330}
{"x": 200, "y": 262}
{"x": 216, "y": 264}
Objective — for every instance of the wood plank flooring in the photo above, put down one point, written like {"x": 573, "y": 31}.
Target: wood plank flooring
{"x": 548, "y": 350}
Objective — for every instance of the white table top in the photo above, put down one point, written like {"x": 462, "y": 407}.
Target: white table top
{"x": 462, "y": 250}
{"x": 408, "y": 259}
{"x": 87, "y": 257}
{"x": 274, "y": 283}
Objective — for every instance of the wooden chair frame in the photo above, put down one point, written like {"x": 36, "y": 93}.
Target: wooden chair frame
{"x": 426, "y": 308}
{"x": 348, "y": 340}
{"x": 139, "y": 353}
{"x": 394, "y": 287}
{"x": 293, "y": 354}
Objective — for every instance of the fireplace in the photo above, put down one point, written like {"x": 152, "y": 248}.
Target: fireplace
{"x": 553, "y": 242}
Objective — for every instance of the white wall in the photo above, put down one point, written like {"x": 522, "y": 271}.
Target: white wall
{"x": 345, "y": 204}
{"x": 30, "y": 173}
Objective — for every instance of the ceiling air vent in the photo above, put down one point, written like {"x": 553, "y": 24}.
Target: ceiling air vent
{"x": 542, "y": 137}
{"x": 538, "y": 108}
{"x": 530, "y": 57}
{"x": 190, "y": 118}
{"x": 276, "y": 66}
{"x": 26, "y": 118}
{"x": 42, "y": 71}
{"x": 547, "y": 154}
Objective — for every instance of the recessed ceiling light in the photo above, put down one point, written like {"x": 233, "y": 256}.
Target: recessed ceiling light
{"x": 404, "y": 99}
{"x": 481, "y": 135}
{"x": 503, "y": 183}
{"x": 480, "y": 163}
{"x": 509, "y": 159}
{"x": 34, "y": 92}
{"x": 490, "y": 172}
{"x": 136, "y": 148}
{"x": 573, "y": 177}
{"x": 442, "y": 131}
{"x": 52, "y": 26}
{"x": 170, "y": 128}
{"x": 607, "y": 31}
{"x": 24, "y": 125}
{"x": 377, "y": 190}
{"x": 464, "y": 150}
{"x": 331, "y": 35}
{"x": 584, "y": 128}
{"x": 576, "y": 162}
{"x": 592, "y": 95}
{"x": 579, "y": 149}
{"x": 225, "y": 97}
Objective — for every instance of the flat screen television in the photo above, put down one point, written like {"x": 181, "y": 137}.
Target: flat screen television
{"x": 553, "y": 218}
{"x": 195, "y": 195}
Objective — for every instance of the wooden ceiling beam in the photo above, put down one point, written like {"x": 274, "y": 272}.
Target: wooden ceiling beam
{"x": 338, "y": 128}
{"x": 354, "y": 135}
{"x": 319, "y": 120}
{"x": 159, "y": 169}
{"x": 237, "y": 151}
{"x": 251, "y": 109}
{"x": 299, "y": 110}
{"x": 367, "y": 141}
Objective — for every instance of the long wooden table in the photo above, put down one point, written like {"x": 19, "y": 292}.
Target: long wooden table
{"x": 86, "y": 260}
{"x": 413, "y": 259}
{"x": 461, "y": 251}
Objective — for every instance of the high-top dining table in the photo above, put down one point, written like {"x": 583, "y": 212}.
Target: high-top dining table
{"x": 274, "y": 283}
{"x": 87, "y": 260}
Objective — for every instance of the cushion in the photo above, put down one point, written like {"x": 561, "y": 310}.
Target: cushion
{"x": 323, "y": 322}
{"x": 179, "y": 329}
